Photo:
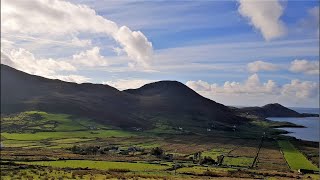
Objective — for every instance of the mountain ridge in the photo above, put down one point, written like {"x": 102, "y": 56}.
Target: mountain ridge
{"x": 274, "y": 110}
{"x": 177, "y": 105}
{"x": 165, "y": 102}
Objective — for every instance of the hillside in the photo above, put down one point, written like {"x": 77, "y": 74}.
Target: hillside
{"x": 21, "y": 91}
{"x": 176, "y": 101}
{"x": 273, "y": 110}
{"x": 164, "y": 102}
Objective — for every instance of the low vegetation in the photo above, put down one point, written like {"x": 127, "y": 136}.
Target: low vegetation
{"x": 76, "y": 148}
{"x": 295, "y": 159}
{"x": 101, "y": 165}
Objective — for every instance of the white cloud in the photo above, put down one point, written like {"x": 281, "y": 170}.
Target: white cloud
{"x": 90, "y": 58}
{"x": 254, "y": 93}
{"x": 305, "y": 66}
{"x": 257, "y": 66}
{"x": 301, "y": 89}
{"x": 251, "y": 85}
{"x": 24, "y": 60}
{"x": 81, "y": 42}
{"x": 123, "y": 84}
{"x": 264, "y": 16}
{"x": 135, "y": 44}
{"x": 42, "y": 18}
{"x": 201, "y": 85}
{"x": 71, "y": 78}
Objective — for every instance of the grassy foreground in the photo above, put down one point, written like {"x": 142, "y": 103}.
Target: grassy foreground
{"x": 100, "y": 165}
{"x": 295, "y": 159}
{"x": 40, "y": 145}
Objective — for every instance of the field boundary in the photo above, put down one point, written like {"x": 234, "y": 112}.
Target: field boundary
{"x": 280, "y": 149}
{"x": 256, "y": 157}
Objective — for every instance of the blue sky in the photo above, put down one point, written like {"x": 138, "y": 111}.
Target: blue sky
{"x": 234, "y": 52}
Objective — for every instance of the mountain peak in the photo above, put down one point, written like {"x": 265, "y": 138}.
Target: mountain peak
{"x": 166, "y": 87}
{"x": 273, "y": 105}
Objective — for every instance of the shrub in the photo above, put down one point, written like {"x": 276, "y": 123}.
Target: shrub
{"x": 208, "y": 160}
{"x": 157, "y": 152}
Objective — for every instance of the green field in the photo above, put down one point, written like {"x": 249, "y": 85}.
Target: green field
{"x": 238, "y": 161}
{"x": 101, "y": 165}
{"x": 81, "y": 148}
{"x": 214, "y": 153}
{"x": 32, "y": 129}
{"x": 295, "y": 159}
{"x": 61, "y": 135}
{"x": 37, "y": 125}
{"x": 34, "y": 121}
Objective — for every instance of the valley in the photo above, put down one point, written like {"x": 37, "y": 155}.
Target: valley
{"x": 163, "y": 130}
{"x": 37, "y": 144}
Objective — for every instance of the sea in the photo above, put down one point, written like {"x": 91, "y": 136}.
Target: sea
{"x": 311, "y": 132}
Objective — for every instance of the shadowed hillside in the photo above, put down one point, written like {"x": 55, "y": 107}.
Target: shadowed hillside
{"x": 167, "y": 102}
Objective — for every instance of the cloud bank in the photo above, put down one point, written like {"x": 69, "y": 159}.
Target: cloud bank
{"x": 24, "y": 60}
{"x": 253, "y": 90}
{"x": 46, "y": 18}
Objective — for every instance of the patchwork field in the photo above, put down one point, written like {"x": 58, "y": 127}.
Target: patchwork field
{"x": 75, "y": 148}
{"x": 270, "y": 157}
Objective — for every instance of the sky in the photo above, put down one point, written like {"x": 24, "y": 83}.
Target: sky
{"x": 240, "y": 53}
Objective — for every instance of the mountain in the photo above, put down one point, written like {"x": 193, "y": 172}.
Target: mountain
{"x": 164, "y": 102}
{"x": 21, "y": 91}
{"x": 174, "y": 100}
{"x": 273, "y": 110}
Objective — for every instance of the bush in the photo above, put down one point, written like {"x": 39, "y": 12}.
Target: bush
{"x": 157, "y": 152}
{"x": 208, "y": 160}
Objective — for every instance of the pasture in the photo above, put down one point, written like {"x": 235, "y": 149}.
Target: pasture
{"x": 238, "y": 161}
{"x": 100, "y": 165}
{"x": 295, "y": 159}
{"x": 53, "y": 136}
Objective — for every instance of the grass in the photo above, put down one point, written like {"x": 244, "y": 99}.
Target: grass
{"x": 15, "y": 143}
{"x": 149, "y": 145}
{"x": 101, "y": 165}
{"x": 213, "y": 153}
{"x": 37, "y": 174}
{"x": 294, "y": 158}
{"x": 200, "y": 170}
{"x": 41, "y": 121}
{"x": 51, "y": 131}
{"x": 238, "y": 161}
{"x": 69, "y": 140}
{"x": 60, "y": 135}
{"x": 40, "y": 173}
{"x": 27, "y": 129}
